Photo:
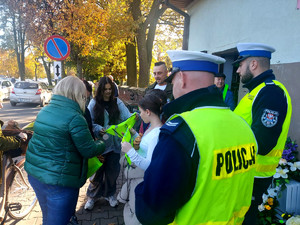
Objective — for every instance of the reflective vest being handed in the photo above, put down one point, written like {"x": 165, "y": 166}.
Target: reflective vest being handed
{"x": 224, "y": 183}
{"x": 266, "y": 164}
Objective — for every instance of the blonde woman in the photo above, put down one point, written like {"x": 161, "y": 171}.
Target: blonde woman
{"x": 56, "y": 158}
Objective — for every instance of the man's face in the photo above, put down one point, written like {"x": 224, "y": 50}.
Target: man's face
{"x": 244, "y": 71}
{"x": 220, "y": 82}
{"x": 160, "y": 74}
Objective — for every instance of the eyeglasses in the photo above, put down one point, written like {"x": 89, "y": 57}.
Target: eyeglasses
{"x": 175, "y": 70}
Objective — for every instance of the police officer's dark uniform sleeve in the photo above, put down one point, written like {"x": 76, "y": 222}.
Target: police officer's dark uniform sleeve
{"x": 170, "y": 179}
{"x": 269, "y": 112}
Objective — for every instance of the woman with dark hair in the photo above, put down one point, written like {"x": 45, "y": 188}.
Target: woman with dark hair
{"x": 164, "y": 99}
{"x": 106, "y": 110}
{"x": 150, "y": 109}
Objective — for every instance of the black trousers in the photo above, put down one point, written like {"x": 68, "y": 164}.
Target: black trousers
{"x": 103, "y": 184}
{"x": 260, "y": 186}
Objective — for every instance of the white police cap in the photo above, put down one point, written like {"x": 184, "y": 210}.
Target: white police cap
{"x": 184, "y": 60}
{"x": 247, "y": 50}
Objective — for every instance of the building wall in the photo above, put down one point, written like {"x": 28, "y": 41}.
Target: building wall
{"x": 217, "y": 26}
{"x": 289, "y": 75}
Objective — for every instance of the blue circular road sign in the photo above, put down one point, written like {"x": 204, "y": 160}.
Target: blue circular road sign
{"x": 57, "y": 47}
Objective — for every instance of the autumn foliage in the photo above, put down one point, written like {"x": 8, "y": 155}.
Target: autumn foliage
{"x": 98, "y": 32}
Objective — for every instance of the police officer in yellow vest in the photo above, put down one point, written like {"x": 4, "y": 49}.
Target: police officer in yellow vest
{"x": 201, "y": 171}
{"x": 267, "y": 109}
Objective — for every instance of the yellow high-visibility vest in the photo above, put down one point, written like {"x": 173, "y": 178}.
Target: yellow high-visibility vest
{"x": 227, "y": 148}
{"x": 266, "y": 164}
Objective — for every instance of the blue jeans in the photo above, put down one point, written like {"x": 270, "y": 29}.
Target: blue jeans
{"x": 58, "y": 203}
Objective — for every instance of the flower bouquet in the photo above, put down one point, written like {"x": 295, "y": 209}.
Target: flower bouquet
{"x": 295, "y": 220}
{"x": 288, "y": 168}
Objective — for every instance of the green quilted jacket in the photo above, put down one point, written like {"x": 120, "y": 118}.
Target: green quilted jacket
{"x": 57, "y": 153}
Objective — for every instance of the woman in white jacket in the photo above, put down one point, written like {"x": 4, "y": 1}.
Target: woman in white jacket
{"x": 150, "y": 109}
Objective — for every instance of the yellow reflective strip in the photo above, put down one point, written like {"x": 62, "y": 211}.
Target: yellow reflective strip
{"x": 236, "y": 219}
{"x": 275, "y": 153}
{"x": 266, "y": 168}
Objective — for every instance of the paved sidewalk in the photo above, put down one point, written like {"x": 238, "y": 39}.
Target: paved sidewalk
{"x": 102, "y": 214}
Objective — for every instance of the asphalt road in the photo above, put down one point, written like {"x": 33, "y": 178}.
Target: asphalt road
{"x": 23, "y": 113}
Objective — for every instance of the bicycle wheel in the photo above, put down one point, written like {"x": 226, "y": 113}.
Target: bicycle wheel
{"x": 21, "y": 196}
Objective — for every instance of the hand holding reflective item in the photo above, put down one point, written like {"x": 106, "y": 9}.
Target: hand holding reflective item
{"x": 102, "y": 131}
{"x": 136, "y": 142}
{"x": 125, "y": 146}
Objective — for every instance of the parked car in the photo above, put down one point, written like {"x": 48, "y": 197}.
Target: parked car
{"x": 30, "y": 92}
{"x": 6, "y": 87}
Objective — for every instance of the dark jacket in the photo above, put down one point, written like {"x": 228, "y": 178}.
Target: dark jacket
{"x": 229, "y": 100}
{"x": 170, "y": 178}
{"x": 61, "y": 145}
{"x": 168, "y": 90}
{"x": 6, "y": 143}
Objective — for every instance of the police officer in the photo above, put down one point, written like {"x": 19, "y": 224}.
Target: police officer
{"x": 224, "y": 88}
{"x": 267, "y": 109}
{"x": 201, "y": 170}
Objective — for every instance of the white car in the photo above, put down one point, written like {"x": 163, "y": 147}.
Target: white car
{"x": 30, "y": 92}
{"x": 6, "y": 87}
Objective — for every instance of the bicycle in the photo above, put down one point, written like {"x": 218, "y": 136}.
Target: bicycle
{"x": 17, "y": 197}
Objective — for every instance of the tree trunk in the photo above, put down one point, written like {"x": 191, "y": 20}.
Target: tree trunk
{"x": 35, "y": 71}
{"x": 63, "y": 74}
{"x": 49, "y": 74}
{"x": 143, "y": 59}
{"x": 22, "y": 47}
{"x": 145, "y": 37}
{"x": 79, "y": 68}
{"x": 131, "y": 64}
{"x": 151, "y": 33}
{"x": 18, "y": 50}
{"x": 47, "y": 69}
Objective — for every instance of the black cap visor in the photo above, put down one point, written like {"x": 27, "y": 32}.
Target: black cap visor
{"x": 174, "y": 71}
{"x": 220, "y": 75}
{"x": 240, "y": 59}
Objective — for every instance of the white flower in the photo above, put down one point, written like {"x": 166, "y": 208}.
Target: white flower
{"x": 282, "y": 162}
{"x": 265, "y": 198}
{"x": 272, "y": 192}
{"x": 294, "y": 166}
{"x": 261, "y": 207}
{"x": 281, "y": 173}
{"x": 278, "y": 188}
{"x": 295, "y": 220}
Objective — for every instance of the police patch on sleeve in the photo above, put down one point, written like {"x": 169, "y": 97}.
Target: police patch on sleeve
{"x": 269, "y": 118}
